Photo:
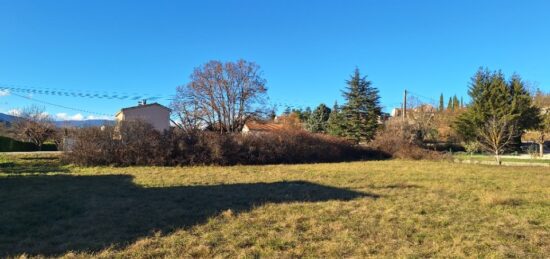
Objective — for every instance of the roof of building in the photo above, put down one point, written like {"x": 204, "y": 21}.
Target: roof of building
{"x": 263, "y": 126}
{"x": 142, "y": 106}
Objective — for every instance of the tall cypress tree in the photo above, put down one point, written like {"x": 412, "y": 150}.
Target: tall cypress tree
{"x": 441, "y": 103}
{"x": 456, "y": 103}
{"x": 362, "y": 109}
{"x": 450, "y": 104}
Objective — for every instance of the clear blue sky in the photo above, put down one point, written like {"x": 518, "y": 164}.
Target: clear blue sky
{"x": 307, "y": 49}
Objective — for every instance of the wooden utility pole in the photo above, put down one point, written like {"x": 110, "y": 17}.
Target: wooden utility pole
{"x": 405, "y": 106}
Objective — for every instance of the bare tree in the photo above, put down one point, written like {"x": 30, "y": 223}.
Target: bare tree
{"x": 421, "y": 118}
{"x": 497, "y": 134}
{"x": 221, "y": 96}
{"x": 34, "y": 125}
{"x": 186, "y": 109}
{"x": 542, "y": 133}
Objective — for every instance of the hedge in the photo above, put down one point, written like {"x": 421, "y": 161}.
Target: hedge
{"x": 12, "y": 145}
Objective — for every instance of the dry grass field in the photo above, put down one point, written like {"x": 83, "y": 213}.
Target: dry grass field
{"x": 361, "y": 209}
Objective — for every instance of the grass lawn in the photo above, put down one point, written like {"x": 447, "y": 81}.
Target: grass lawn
{"x": 360, "y": 209}
{"x": 481, "y": 157}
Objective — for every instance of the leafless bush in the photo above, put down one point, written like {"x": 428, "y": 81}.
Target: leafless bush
{"x": 132, "y": 143}
{"x": 92, "y": 146}
{"x": 398, "y": 139}
{"x": 297, "y": 146}
{"x": 139, "y": 144}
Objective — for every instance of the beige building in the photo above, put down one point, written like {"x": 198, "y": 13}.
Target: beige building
{"x": 424, "y": 108}
{"x": 155, "y": 114}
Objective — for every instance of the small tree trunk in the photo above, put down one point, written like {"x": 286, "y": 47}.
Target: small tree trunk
{"x": 497, "y": 157}
{"x": 541, "y": 149}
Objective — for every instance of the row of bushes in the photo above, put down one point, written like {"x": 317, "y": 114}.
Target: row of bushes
{"x": 12, "y": 145}
{"x": 138, "y": 144}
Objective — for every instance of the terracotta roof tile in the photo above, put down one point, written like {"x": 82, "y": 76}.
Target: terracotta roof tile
{"x": 268, "y": 126}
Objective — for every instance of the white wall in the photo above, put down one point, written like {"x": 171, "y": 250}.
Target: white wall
{"x": 155, "y": 115}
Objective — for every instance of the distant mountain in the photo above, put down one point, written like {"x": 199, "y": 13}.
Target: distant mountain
{"x": 83, "y": 123}
{"x": 7, "y": 118}
{"x": 64, "y": 124}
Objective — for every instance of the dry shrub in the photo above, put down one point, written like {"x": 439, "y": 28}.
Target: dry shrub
{"x": 139, "y": 144}
{"x": 398, "y": 140}
{"x": 298, "y": 146}
{"x": 128, "y": 144}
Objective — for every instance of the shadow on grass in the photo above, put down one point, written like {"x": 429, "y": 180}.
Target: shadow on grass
{"x": 51, "y": 215}
{"x": 32, "y": 165}
{"x": 396, "y": 186}
{"x": 40, "y": 158}
{"x": 7, "y": 165}
{"x": 401, "y": 186}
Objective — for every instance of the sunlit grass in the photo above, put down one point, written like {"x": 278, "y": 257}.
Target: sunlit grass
{"x": 482, "y": 157}
{"x": 410, "y": 209}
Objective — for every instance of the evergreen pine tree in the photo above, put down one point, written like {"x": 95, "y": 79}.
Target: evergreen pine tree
{"x": 299, "y": 114}
{"x": 362, "y": 109}
{"x": 306, "y": 114}
{"x": 336, "y": 121}
{"x": 499, "y": 112}
{"x": 287, "y": 111}
{"x": 522, "y": 103}
{"x": 441, "y": 103}
{"x": 317, "y": 122}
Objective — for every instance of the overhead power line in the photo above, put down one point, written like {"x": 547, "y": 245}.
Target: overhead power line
{"x": 61, "y": 106}
{"x": 424, "y": 97}
{"x": 83, "y": 94}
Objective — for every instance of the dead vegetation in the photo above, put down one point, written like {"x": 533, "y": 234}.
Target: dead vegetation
{"x": 138, "y": 144}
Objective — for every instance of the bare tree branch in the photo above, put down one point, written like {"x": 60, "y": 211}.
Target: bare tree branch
{"x": 497, "y": 134}
{"x": 221, "y": 96}
{"x": 34, "y": 125}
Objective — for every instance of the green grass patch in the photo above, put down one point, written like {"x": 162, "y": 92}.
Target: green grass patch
{"x": 359, "y": 209}
{"x": 481, "y": 157}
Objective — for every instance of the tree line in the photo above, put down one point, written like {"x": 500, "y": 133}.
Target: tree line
{"x": 358, "y": 119}
{"x": 222, "y": 97}
{"x": 453, "y": 104}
